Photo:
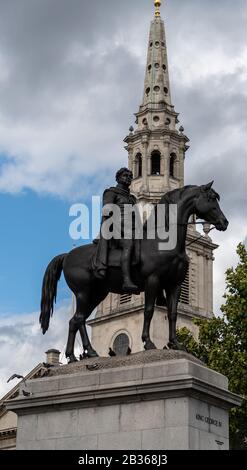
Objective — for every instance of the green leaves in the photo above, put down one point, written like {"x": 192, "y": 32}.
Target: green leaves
{"x": 222, "y": 344}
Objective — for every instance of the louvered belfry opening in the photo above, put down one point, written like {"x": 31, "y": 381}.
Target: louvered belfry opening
{"x": 125, "y": 299}
{"x": 185, "y": 291}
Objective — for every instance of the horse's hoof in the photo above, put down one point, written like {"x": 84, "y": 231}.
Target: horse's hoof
{"x": 90, "y": 353}
{"x": 72, "y": 359}
{"x": 149, "y": 345}
{"x": 131, "y": 289}
{"x": 175, "y": 345}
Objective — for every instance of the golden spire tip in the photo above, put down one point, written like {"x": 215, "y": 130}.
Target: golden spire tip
{"x": 157, "y": 4}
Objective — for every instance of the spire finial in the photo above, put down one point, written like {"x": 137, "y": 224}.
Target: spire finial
{"x": 157, "y": 4}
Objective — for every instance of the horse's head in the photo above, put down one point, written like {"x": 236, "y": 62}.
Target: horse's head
{"x": 207, "y": 207}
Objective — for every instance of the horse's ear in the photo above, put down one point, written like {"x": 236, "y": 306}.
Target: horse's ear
{"x": 207, "y": 187}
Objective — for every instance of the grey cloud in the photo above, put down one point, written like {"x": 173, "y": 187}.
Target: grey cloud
{"x": 11, "y": 332}
{"x": 213, "y": 104}
{"x": 36, "y": 40}
{"x": 219, "y": 23}
{"x": 212, "y": 111}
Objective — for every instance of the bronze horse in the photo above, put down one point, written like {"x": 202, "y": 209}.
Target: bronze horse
{"x": 157, "y": 270}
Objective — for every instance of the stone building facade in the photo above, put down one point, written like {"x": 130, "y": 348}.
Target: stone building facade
{"x": 156, "y": 155}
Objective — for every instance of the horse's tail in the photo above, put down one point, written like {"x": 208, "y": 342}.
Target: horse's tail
{"x": 49, "y": 290}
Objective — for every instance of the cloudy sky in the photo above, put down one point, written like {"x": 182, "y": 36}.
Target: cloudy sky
{"x": 71, "y": 77}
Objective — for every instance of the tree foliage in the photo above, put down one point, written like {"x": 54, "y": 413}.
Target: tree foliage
{"x": 222, "y": 344}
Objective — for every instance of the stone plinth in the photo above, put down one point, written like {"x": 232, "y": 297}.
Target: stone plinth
{"x": 156, "y": 400}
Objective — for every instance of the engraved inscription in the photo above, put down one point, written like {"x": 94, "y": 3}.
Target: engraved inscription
{"x": 208, "y": 420}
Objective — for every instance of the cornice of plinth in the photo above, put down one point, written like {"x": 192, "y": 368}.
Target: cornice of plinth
{"x": 173, "y": 374}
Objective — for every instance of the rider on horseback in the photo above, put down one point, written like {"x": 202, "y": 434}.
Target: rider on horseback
{"x": 120, "y": 196}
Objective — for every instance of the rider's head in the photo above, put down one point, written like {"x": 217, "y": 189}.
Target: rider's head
{"x": 124, "y": 176}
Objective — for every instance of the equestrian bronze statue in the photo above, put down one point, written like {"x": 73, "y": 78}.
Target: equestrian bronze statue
{"x": 153, "y": 271}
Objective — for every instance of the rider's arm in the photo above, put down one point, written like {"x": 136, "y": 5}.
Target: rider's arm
{"x": 108, "y": 198}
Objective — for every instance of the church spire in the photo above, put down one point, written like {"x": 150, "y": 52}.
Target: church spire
{"x": 157, "y": 85}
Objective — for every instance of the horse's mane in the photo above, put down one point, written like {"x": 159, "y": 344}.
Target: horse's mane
{"x": 172, "y": 197}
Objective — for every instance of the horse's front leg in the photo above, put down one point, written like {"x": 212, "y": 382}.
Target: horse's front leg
{"x": 151, "y": 289}
{"x": 173, "y": 295}
{"x": 87, "y": 347}
{"x": 74, "y": 325}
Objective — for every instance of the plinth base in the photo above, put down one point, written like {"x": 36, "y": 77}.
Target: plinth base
{"x": 155, "y": 400}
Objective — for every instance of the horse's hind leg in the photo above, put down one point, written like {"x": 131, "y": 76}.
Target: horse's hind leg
{"x": 94, "y": 302}
{"x": 70, "y": 355}
{"x": 85, "y": 304}
{"x": 76, "y": 323}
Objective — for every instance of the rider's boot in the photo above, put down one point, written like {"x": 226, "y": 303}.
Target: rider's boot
{"x": 129, "y": 286}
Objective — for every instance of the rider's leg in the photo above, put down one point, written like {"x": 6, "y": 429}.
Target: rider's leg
{"x": 127, "y": 249}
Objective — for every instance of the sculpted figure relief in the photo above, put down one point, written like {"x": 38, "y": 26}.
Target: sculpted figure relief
{"x": 93, "y": 271}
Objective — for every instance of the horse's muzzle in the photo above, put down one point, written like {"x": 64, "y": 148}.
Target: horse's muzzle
{"x": 222, "y": 224}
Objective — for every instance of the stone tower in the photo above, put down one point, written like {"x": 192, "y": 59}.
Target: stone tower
{"x": 156, "y": 154}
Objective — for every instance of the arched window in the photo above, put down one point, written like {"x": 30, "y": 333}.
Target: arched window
{"x": 155, "y": 163}
{"x": 172, "y": 164}
{"x": 121, "y": 345}
{"x": 139, "y": 165}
